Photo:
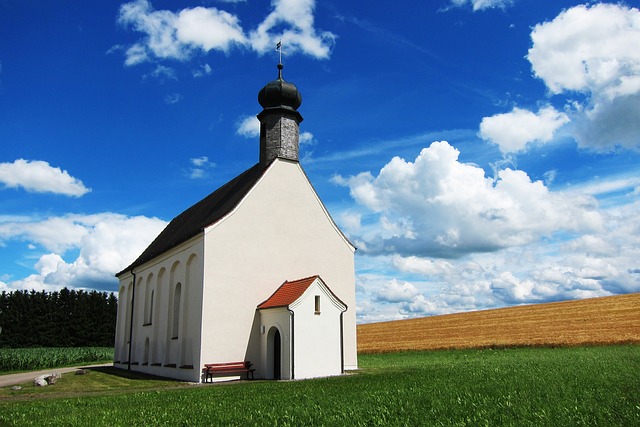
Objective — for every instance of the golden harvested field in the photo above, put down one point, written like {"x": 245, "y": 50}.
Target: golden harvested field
{"x": 607, "y": 320}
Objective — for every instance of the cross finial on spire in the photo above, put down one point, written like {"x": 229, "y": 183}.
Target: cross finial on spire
{"x": 279, "y": 49}
{"x": 280, "y": 66}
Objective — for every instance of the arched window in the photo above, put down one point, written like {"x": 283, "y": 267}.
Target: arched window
{"x": 175, "y": 327}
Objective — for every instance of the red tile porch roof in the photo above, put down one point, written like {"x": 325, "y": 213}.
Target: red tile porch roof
{"x": 288, "y": 293}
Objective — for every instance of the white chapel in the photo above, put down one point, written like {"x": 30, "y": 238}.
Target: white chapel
{"x": 256, "y": 272}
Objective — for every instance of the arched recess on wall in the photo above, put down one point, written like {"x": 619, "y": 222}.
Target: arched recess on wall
{"x": 126, "y": 336}
{"x": 138, "y": 307}
{"x": 160, "y": 290}
{"x": 119, "y": 341}
{"x": 175, "y": 314}
{"x": 145, "y": 353}
{"x": 148, "y": 300}
{"x": 138, "y": 300}
{"x": 191, "y": 276}
{"x": 176, "y": 277}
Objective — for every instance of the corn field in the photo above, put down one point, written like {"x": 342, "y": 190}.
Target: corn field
{"x": 25, "y": 359}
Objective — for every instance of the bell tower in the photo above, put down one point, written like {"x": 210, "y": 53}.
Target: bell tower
{"x": 279, "y": 120}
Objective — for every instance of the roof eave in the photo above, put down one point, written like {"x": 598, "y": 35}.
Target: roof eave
{"x": 222, "y": 206}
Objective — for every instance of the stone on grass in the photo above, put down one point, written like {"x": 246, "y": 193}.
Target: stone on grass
{"x": 46, "y": 379}
{"x": 40, "y": 382}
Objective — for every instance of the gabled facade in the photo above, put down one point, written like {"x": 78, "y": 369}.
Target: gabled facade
{"x": 304, "y": 318}
{"x": 192, "y": 296}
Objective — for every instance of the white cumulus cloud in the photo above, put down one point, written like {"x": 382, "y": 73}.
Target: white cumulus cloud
{"x": 483, "y": 4}
{"x": 606, "y": 125}
{"x": 513, "y": 131}
{"x": 440, "y": 207}
{"x": 589, "y": 50}
{"x": 200, "y": 167}
{"x": 106, "y": 243}
{"x": 177, "y": 35}
{"x": 248, "y": 126}
{"x": 161, "y": 39}
{"x": 395, "y": 291}
{"x": 584, "y": 55}
{"x": 38, "y": 176}
{"x": 299, "y": 34}
{"x": 306, "y": 138}
{"x": 593, "y": 264}
{"x": 203, "y": 70}
{"x": 208, "y": 29}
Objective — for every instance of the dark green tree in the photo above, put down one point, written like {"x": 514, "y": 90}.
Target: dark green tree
{"x": 68, "y": 318}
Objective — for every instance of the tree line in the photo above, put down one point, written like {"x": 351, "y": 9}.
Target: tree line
{"x": 68, "y": 318}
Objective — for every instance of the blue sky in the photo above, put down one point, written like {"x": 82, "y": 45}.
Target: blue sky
{"x": 479, "y": 153}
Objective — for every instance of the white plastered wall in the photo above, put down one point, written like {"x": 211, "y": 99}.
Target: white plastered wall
{"x": 280, "y": 319}
{"x": 316, "y": 336}
{"x": 169, "y": 353}
{"x": 280, "y": 231}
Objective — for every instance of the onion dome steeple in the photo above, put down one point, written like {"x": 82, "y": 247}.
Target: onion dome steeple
{"x": 279, "y": 120}
{"x": 279, "y": 93}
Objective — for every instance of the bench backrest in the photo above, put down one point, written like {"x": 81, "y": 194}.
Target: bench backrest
{"x": 227, "y": 365}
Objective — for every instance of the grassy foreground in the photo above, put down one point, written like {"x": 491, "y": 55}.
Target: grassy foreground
{"x": 535, "y": 386}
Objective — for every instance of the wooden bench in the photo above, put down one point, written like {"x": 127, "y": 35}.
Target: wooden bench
{"x": 210, "y": 369}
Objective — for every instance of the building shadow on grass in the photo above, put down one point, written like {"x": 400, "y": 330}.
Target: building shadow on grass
{"x": 130, "y": 375}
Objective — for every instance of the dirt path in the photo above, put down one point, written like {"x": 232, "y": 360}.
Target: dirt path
{"x": 23, "y": 377}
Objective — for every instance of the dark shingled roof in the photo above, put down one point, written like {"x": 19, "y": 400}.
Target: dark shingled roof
{"x": 204, "y": 213}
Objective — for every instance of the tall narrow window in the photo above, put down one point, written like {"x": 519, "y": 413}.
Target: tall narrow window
{"x": 175, "y": 327}
{"x": 151, "y": 308}
{"x": 148, "y": 302}
{"x": 317, "y": 304}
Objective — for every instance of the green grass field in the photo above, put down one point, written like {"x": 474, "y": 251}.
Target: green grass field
{"x": 533, "y": 386}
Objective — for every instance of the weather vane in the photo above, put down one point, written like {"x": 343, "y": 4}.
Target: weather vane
{"x": 279, "y": 49}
